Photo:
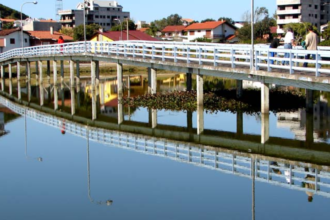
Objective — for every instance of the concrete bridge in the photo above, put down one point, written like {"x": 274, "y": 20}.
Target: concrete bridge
{"x": 220, "y": 60}
{"x": 256, "y": 166}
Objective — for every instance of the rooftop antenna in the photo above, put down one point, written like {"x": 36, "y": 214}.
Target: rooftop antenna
{"x": 58, "y": 7}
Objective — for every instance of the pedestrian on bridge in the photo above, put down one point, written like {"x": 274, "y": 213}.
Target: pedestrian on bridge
{"x": 311, "y": 44}
{"x": 288, "y": 44}
{"x": 61, "y": 41}
{"x": 274, "y": 44}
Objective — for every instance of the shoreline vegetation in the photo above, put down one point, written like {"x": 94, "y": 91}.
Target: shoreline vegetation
{"x": 222, "y": 100}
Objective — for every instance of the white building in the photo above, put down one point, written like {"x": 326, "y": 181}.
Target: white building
{"x": 12, "y": 38}
{"x": 217, "y": 31}
{"x": 139, "y": 24}
{"x": 295, "y": 11}
{"x": 103, "y": 13}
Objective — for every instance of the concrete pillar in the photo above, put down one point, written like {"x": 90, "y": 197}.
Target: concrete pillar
{"x": 129, "y": 86}
{"x": 62, "y": 95}
{"x": 42, "y": 93}
{"x": 71, "y": 73}
{"x": 55, "y": 97}
{"x": 200, "y": 119}
{"x": 10, "y": 87}
{"x": 120, "y": 113}
{"x": 239, "y": 123}
{"x": 93, "y": 73}
{"x": 29, "y": 91}
{"x": 48, "y": 70}
{"x": 78, "y": 95}
{"x": 55, "y": 71}
{"x": 153, "y": 80}
{"x": 28, "y": 71}
{"x": 120, "y": 79}
{"x": 189, "y": 81}
{"x": 102, "y": 96}
{"x": 264, "y": 128}
{"x": 2, "y": 84}
{"x": 18, "y": 68}
{"x": 19, "y": 91}
{"x": 189, "y": 120}
{"x": 153, "y": 118}
{"x": 37, "y": 68}
{"x": 200, "y": 89}
{"x": 2, "y": 72}
{"x": 73, "y": 101}
{"x": 309, "y": 101}
{"x": 78, "y": 71}
{"x": 265, "y": 98}
{"x": 239, "y": 88}
{"x": 149, "y": 80}
{"x": 94, "y": 110}
{"x": 40, "y": 72}
{"x": 10, "y": 72}
{"x": 62, "y": 70}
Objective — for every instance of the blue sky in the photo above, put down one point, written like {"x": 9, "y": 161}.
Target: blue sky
{"x": 149, "y": 10}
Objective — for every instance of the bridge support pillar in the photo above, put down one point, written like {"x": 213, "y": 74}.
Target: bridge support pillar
{"x": 78, "y": 95}
{"x": 2, "y": 72}
{"x": 71, "y": 73}
{"x": 18, "y": 70}
{"x": 48, "y": 70}
{"x": 120, "y": 113}
{"x": 310, "y": 127}
{"x": 10, "y": 87}
{"x": 62, "y": 95}
{"x": 93, "y": 73}
{"x": 40, "y": 72}
{"x": 152, "y": 80}
{"x": 42, "y": 94}
{"x": 29, "y": 90}
{"x": 189, "y": 81}
{"x": 2, "y": 84}
{"x": 55, "y": 72}
{"x": 200, "y": 119}
{"x": 200, "y": 104}
{"x": 55, "y": 97}
{"x": 264, "y": 128}
{"x": 239, "y": 88}
{"x": 239, "y": 123}
{"x": 94, "y": 109}
{"x": 19, "y": 93}
{"x": 78, "y": 71}
{"x": 265, "y": 98}
{"x": 9, "y": 71}
{"x": 97, "y": 75}
{"x": 102, "y": 96}
{"x": 73, "y": 101}
{"x": 37, "y": 68}
{"x": 28, "y": 71}
{"x": 309, "y": 101}
{"x": 120, "y": 80}
{"x": 153, "y": 118}
{"x": 62, "y": 70}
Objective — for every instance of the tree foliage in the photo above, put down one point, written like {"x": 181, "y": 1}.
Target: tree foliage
{"x": 229, "y": 20}
{"x": 91, "y": 29}
{"x": 67, "y": 31}
{"x": 131, "y": 26}
{"x": 7, "y": 12}
{"x": 326, "y": 32}
{"x": 8, "y": 25}
{"x": 207, "y": 20}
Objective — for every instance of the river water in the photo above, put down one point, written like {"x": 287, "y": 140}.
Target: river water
{"x": 50, "y": 171}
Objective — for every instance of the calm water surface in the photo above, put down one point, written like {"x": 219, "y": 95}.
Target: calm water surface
{"x": 48, "y": 175}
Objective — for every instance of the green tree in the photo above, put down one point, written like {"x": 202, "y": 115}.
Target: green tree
{"x": 131, "y": 26}
{"x": 91, "y": 29}
{"x": 159, "y": 25}
{"x": 300, "y": 29}
{"x": 67, "y": 31}
{"x": 8, "y": 25}
{"x": 207, "y": 19}
{"x": 229, "y": 20}
{"x": 326, "y": 32}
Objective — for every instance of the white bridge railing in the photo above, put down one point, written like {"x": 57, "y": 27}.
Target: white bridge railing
{"x": 300, "y": 177}
{"x": 234, "y": 55}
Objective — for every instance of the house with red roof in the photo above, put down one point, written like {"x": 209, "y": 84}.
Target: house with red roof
{"x": 109, "y": 36}
{"x": 186, "y": 21}
{"x": 47, "y": 37}
{"x": 172, "y": 32}
{"x": 217, "y": 31}
{"x": 12, "y": 39}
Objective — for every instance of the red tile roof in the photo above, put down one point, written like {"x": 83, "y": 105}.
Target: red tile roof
{"x": 273, "y": 30}
{"x": 7, "y": 20}
{"x": 207, "y": 25}
{"x": 46, "y": 35}
{"x": 177, "y": 28}
{"x": 187, "y": 20}
{"x": 133, "y": 35}
{"x": 231, "y": 37}
{"x": 50, "y": 20}
{"x": 9, "y": 31}
{"x": 143, "y": 29}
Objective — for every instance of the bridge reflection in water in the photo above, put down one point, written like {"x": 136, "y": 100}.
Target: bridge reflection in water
{"x": 293, "y": 174}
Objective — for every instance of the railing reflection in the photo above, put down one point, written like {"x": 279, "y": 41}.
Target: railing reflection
{"x": 285, "y": 173}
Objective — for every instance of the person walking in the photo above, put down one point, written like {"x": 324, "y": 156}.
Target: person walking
{"x": 274, "y": 44}
{"x": 288, "y": 44}
{"x": 311, "y": 44}
{"x": 60, "y": 41}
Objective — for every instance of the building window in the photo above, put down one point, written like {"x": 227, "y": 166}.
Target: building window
{"x": 96, "y": 16}
{"x": 310, "y": 6}
{"x": 108, "y": 16}
{"x": 108, "y": 9}
{"x": 118, "y": 9}
{"x": 108, "y": 24}
{"x": 25, "y": 40}
{"x": 295, "y": 16}
{"x": 96, "y": 9}
{"x": 316, "y": 6}
{"x": 295, "y": 7}
{"x": 315, "y": 16}
{"x": 12, "y": 40}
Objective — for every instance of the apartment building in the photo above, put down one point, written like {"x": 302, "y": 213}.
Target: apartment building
{"x": 295, "y": 11}
{"x": 103, "y": 13}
